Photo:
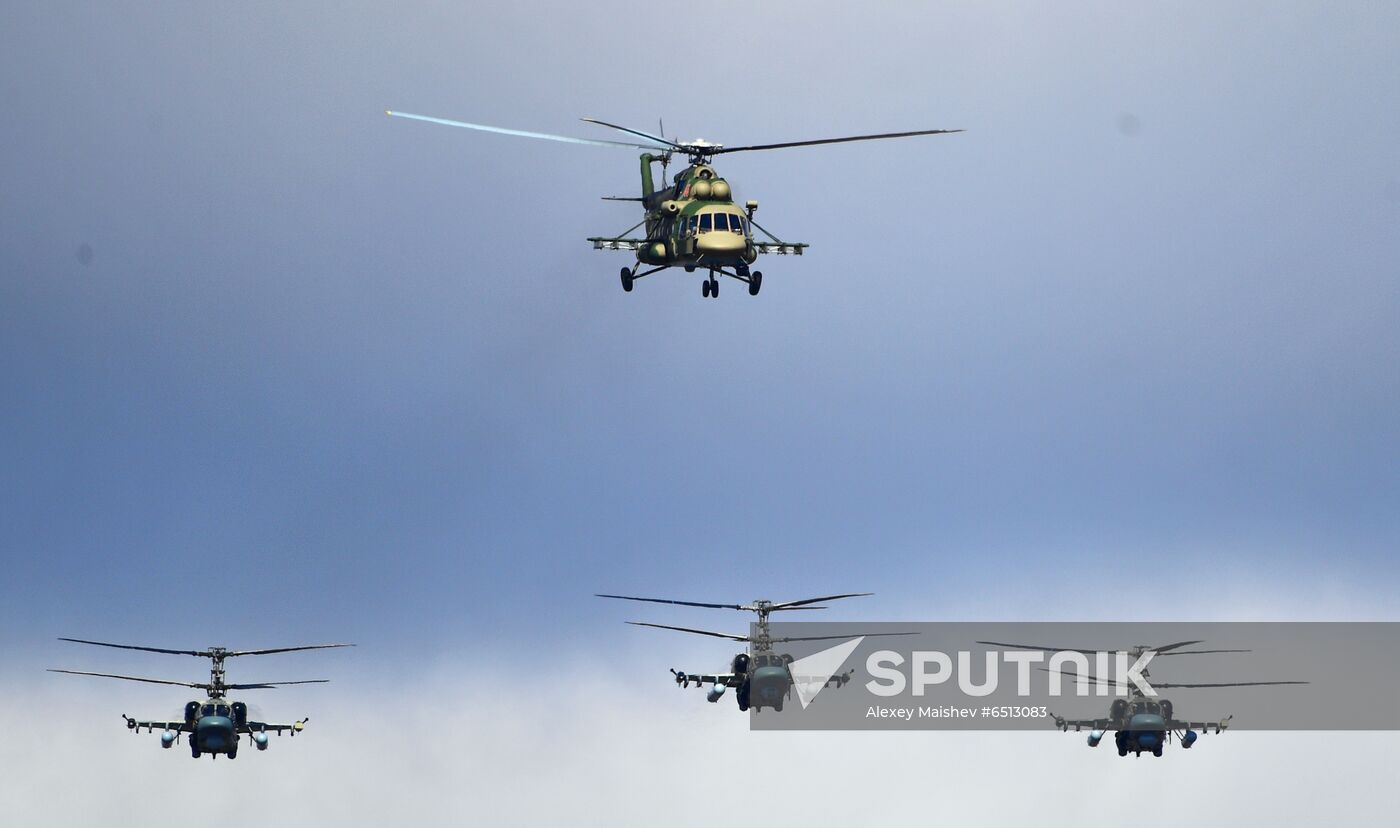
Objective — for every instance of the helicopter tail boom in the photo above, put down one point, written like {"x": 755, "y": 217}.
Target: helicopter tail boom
{"x": 648, "y": 186}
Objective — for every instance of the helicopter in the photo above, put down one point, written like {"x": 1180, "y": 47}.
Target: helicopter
{"x": 693, "y": 223}
{"x": 215, "y": 725}
{"x": 760, "y": 676}
{"x": 1142, "y": 722}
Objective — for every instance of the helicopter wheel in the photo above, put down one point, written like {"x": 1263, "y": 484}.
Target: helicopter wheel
{"x": 714, "y": 288}
{"x": 627, "y": 279}
{"x": 705, "y": 288}
{"x": 194, "y": 748}
{"x": 755, "y": 282}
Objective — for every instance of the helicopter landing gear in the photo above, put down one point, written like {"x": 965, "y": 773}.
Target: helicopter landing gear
{"x": 755, "y": 282}
{"x": 194, "y": 748}
{"x": 627, "y": 279}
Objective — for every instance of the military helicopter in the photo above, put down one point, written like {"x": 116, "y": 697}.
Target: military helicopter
{"x": 216, "y": 724}
{"x": 1141, "y": 722}
{"x": 694, "y": 223}
{"x": 761, "y": 677}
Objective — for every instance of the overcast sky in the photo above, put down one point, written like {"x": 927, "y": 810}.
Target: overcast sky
{"x": 280, "y": 369}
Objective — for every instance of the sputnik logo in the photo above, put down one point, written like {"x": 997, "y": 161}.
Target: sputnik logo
{"x": 811, "y": 674}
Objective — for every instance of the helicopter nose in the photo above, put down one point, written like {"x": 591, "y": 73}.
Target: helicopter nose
{"x": 720, "y": 242}
{"x": 214, "y": 732}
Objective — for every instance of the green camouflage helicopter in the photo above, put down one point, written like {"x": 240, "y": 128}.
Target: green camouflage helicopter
{"x": 694, "y": 223}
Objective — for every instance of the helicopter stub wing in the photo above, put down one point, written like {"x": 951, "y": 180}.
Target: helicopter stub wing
{"x": 705, "y": 679}
{"x": 1082, "y": 724}
{"x": 137, "y": 724}
{"x": 1204, "y": 727}
{"x": 781, "y": 248}
{"x": 763, "y": 247}
{"x": 604, "y": 243}
{"x": 264, "y": 727}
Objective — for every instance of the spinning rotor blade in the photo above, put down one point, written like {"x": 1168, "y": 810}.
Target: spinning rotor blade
{"x": 133, "y": 678}
{"x": 801, "y": 604}
{"x": 286, "y": 649}
{"x": 520, "y": 132}
{"x": 272, "y": 685}
{"x": 744, "y": 638}
{"x": 837, "y": 140}
{"x": 669, "y": 601}
{"x": 202, "y": 653}
{"x": 637, "y": 132}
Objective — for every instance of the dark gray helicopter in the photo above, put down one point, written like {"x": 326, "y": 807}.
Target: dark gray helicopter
{"x": 760, "y": 676}
{"x": 216, "y": 724}
{"x": 1142, "y": 722}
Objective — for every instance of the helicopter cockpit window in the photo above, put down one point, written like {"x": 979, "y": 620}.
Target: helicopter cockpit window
{"x": 721, "y": 222}
{"x": 221, "y": 710}
{"x": 736, "y": 224}
{"x": 705, "y": 223}
{"x": 207, "y": 710}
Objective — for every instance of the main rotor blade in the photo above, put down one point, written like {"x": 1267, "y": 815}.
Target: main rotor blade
{"x": 834, "y": 637}
{"x": 520, "y": 132}
{"x": 271, "y": 685}
{"x": 669, "y": 601}
{"x": 837, "y": 140}
{"x": 132, "y": 678}
{"x": 1201, "y": 652}
{"x": 286, "y": 649}
{"x": 1167, "y": 647}
{"x": 203, "y": 653}
{"x": 1038, "y": 647}
{"x": 1168, "y": 650}
{"x": 794, "y": 604}
{"x": 629, "y": 130}
{"x": 1167, "y": 685}
{"x": 689, "y": 630}
{"x": 1170, "y": 685}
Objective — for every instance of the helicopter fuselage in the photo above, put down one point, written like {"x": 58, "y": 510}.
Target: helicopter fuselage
{"x": 695, "y": 222}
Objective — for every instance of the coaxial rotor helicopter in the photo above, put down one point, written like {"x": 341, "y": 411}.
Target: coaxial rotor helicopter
{"x": 760, "y": 676}
{"x": 1141, "y": 722}
{"x": 694, "y": 222}
{"x": 217, "y": 724}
